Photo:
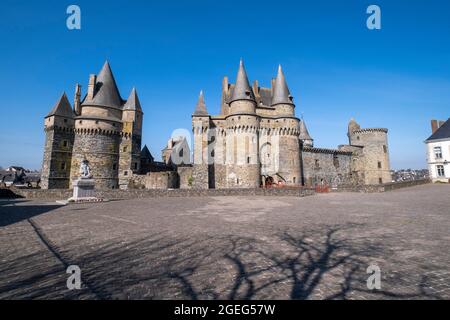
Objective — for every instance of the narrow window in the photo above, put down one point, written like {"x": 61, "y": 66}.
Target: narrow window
{"x": 63, "y": 166}
{"x": 125, "y": 173}
{"x": 135, "y": 166}
{"x": 316, "y": 163}
{"x": 440, "y": 171}
{"x": 384, "y": 149}
{"x": 115, "y": 166}
{"x": 125, "y": 149}
{"x": 379, "y": 164}
{"x": 380, "y": 181}
{"x": 248, "y": 160}
{"x": 293, "y": 179}
{"x": 438, "y": 152}
{"x": 65, "y": 143}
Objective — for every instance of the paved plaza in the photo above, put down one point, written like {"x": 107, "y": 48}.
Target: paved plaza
{"x": 317, "y": 247}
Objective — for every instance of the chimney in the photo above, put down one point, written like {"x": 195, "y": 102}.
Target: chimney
{"x": 272, "y": 85}
{"x": 435, "y": 125}
{"x": 77, "y": 102}
{"x": 91, "y": 87}
{"x": 255, "y": 88}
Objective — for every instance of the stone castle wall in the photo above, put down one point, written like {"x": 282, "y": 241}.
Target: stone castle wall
{"x": 102, "y": 151}
{"x": 328, "y": 167}
{"x": 57, "y": 158}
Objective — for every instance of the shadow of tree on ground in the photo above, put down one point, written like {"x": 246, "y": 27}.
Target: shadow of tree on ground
{"x": 319, "y": 263}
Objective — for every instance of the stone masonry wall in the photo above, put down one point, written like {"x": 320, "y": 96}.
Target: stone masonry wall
{"x": 332, "y": 169}
{"x": 102, "y": 152}
{"x": 56, "y": 164}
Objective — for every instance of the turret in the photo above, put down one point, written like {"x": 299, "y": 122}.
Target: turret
{"x": 130, "y": 145}
{"x": 201, "y": 125}
{"x": 304, "y": 136}
{"x": 374, "y": 162}
{"x": 242, "y": 100}
{"x": 242, "y": 138}
{"x": 98, "y": 130}
{"x": 59, "y": 136}
{"x": 287, "y": 137}
{"x": 281, "y": 98}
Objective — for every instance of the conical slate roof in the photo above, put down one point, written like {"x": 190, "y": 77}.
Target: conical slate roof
{"x": 304, "y": 134}
{"x": 106, "y": 91}
{"x": 242, "y": 89}
{"x": 200, "y": 109}
{"x": 145, "y": 153}
{"x": 133, "y": 102}
{"x": 281, "y": 92}
{"x": 62, "y": 108}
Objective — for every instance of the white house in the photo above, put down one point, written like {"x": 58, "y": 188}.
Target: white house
{"x": 438, "y": 151}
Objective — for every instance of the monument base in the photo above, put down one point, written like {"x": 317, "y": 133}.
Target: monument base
{"x": 84, "y": 191}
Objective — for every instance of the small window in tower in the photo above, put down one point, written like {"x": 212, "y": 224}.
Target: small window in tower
{"x": 125, "y": 149}
{"x": 357, "y": 138}
{"x": 135, "y": 166}
{"x": 96, "y": 121}
{"x": 65, "y": 120}
{"x": 316, "y": 163}
{"x": 248, "y": 160}
{"x": 294, "y": 179}
{"x": 379, "y": 164}
{"x": 125, "y": 173}
{"x": 65, "y": 143}
{"x": 384, "y": 149}
{"x": 63, "y": 166}
{"x": 80, "y": 122}
{"x": 380, "y": 181}
{"x": 115, "y": 166}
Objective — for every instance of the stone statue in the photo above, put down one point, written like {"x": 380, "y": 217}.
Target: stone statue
{"x": 85, "y": 170}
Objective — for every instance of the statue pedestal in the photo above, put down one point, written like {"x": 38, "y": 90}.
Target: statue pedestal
{"x": 83, "y": 190}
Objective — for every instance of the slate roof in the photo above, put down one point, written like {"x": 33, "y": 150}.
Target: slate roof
{"x": 242, "y": 89}
{"x": 106, "y": 91}
{"x": 442, "y": 133}
{"x": 145, "y": 153}
{"x": 133, "y": 102}
{"x": 200, "y": 109}
{"x": 304, "y": 134}
{"x": 281, "y": 92}
{"x": 62, "y": 108}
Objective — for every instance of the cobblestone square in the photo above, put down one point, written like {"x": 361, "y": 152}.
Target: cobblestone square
{"x": 316, "y": 247}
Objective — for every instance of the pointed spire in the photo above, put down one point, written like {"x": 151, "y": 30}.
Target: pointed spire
{"x": 200, "y": 109}
{"x": 133, "y": 102}
{"x": 106, "y": 91}
{"x": 242, "y": 89}
{"x": 304, "y": 135}
{"x": 62, "y": 108}
{"x": 281, "y": 92}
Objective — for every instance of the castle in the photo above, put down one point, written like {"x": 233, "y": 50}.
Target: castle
{"x": 258, "y": 140}
{"x": 102, "y": 128}
{"x": 255, "y": 141}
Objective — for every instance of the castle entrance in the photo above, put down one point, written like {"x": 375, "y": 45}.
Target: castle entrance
{"x": 268, "y": 181}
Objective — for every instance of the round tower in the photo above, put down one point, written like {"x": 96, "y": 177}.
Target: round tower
{"x": 375, "y": 162}
{"x": 288, "y": 132}
{"x": 98, "y": 130}
{"x": 243, "y": 167}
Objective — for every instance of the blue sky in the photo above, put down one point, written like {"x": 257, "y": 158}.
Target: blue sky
{"x": 397, "y": 77}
